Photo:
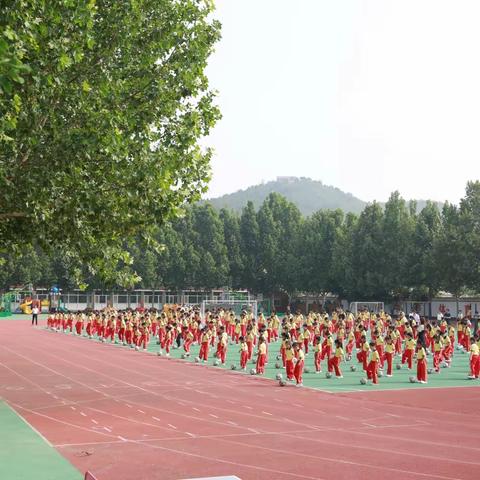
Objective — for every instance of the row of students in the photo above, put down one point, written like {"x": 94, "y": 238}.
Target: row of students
{"x": 325, "y": 334}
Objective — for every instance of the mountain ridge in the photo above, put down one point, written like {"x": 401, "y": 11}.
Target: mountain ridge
{"x": 307, "y": 194}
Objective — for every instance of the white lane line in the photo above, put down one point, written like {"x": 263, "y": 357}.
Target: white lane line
{"x": 297, "y": 405}
{"x": 94, "y": 421}
{"x": 342, "y": 418}
{"x": 157, "y": 419}
{"x": 122, "y": 439}
{"x": 196, "y": 409}
{"x": 83, "y": 414}
{"x": 232, "y": 423}
{"x": 190, "y": 434}
{"x": 73, "y": 408}
{"x": 246, "y": 406}
{"x": 212, "y": 415}
{"x": 267, "y": 413}
{"x": 129, "y": 406}
{"x": 140, "y": 411}
{"x": 172, "y": 426}
{"x": 107, "y": 429}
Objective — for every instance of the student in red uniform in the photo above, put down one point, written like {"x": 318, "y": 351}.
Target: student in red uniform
{"x": 168, "y": 339}
{"x": 350, "y": 344}
{"x": 289, "y": 355}
{"x": 285, "y": 338}
{"x": 204, "y": 344}
{"x": 250, "y": 339}
{"x": 188, "y": 338}
{"x": 365, "y": 353}
{"x": 317, "y": 346}
{"x": 474, "y": 358}
{"x": 79, "y": 324}
{"x": 373, "y": 361}
{"x": 421, "y": 364}
{"x": 299, "y": 363}
{"x": 335, "y": 359}
{"x": 380, "y": 347}
{"x": 407, "y": 356}
{"x": 327, "y": 345}
{"x": 261, "y": 355}
{"x": 437, "y": 352}
{"x": 389, "y": 352}
{"x": 221, "y": 352}
{"x": 122, "y": 330}
{"x": 243, "y": 353}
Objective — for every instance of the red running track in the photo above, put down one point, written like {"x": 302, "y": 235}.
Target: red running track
{"x": 129, "y": 415}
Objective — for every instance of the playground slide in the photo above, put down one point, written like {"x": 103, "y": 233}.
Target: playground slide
{"x": 26, "y": 308}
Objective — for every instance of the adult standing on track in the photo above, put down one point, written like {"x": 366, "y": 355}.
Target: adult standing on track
{"x": 35, "y": 311}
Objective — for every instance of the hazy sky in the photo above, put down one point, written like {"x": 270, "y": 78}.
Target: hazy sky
{"x": 368, "y": 96}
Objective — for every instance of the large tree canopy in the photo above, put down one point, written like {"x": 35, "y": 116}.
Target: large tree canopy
{"x": 102, "y": 104}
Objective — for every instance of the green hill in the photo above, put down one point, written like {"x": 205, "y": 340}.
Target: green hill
{"x": 307, "y": 194}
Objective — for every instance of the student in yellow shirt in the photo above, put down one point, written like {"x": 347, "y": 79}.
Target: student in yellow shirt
{"x": 474, "y": 358}
{"x": 262, "y": 355}
{"x": 409, "y": 350}
{"x": 204, "y": 344}
{"x": 251, "y": 337}
{"x": 467, "y": 331}
{"x": 380, "y": 347}
{"x": 289, "y": 355}
{"x": 299, "y": 363}
{"x": 305, "y": 337}
{"x": 317, "y": 348}
{"x": 243, "y": 353}
{"x": 335, "y": 359}
{"x": 350, "y": 343}
{"x": 460, "y": 333}
{"x": 389, "y": 352}
{"x": 373, "y": 361}
{"x": 421, "y": 364}
{"x": 437, "y": 351}
{"x": 447, "y": 350}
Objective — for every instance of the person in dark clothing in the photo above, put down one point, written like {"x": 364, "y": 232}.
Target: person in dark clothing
{"x": 35, "y": 315}
{"x": 421, "y": 333}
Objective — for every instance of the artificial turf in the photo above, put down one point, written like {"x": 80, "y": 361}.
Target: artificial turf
{"x": 455, "y": 376}
{"x": 25, "y": 455}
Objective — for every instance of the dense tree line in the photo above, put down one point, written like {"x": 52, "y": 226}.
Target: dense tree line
{"x": 385, "y": 253}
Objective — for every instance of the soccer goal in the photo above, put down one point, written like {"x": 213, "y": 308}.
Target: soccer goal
{"x": 375, "y": 307}
{"x": 238, "y": 306}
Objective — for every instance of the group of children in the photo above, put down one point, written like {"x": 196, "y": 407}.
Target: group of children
{"x": 376, "y": 337}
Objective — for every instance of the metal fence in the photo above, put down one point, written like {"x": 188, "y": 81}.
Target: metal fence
{"x": 80, "y": 300}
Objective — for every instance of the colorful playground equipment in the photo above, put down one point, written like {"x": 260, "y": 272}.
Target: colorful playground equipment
{"x": 27, "y": 299}
{"x": 6, "y": 304}
{"x": 29, "y": 303}
{"x": 26, "y": 306}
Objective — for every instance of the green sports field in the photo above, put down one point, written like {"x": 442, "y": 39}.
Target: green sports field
{"x": 25, "y": 455}
{"x": 456, "y": 376}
